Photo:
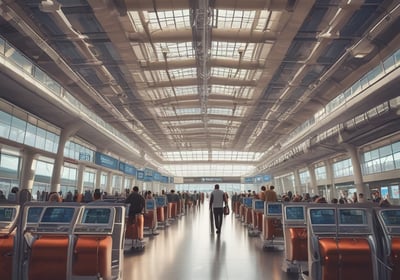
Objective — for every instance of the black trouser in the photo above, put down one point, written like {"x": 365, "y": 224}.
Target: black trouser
{"x": 218, "y": 216}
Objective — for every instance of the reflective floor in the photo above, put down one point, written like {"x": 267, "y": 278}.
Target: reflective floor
{"x": 188, "y": 250}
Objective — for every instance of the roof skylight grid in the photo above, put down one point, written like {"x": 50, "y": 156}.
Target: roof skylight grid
{"x": 181, "y": 73}
{"x": 238, "y": 91}
{"x": 231, "y": 50}
{"x": 231, "y": 73}
{"x": 173, "y": 19}
{"x": 135, "y": 20}
{"x": 183, "y": 122}
{"x": 188, "y": 111}
{"x": 237, "y": 19}
{"x": 220, "y": 111}
{"x": 235, "y": 155}
{"x": 268, "y": 20}
{"x": 181, "y": 50}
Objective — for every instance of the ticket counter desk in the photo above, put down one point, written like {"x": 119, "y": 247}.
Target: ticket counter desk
{"x": 295, "y": 237}
{"x": 257, "y": 212}
{"x": 389, "y": 224}
{"x": 272, "y": 234}
{"x": 150, "y": 217}
{"x": 9, "y": 214}
{"x": 161, "y": 204}
{"x": 341, "y": 243}
{"x": 71, "y": 241}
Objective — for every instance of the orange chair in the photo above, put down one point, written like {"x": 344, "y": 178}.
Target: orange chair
{"x": 134, "y": 229}
{"x": 92, "y": 256}
{"x": 48, "y": 258}
{"x": 160, "y": 214}
{"x": 297, "y": 249}
{"x": 395, "y": 258}
{"x": 6, "y": 256}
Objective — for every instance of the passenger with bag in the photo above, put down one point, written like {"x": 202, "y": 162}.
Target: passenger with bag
{"x": 217, "y": 200}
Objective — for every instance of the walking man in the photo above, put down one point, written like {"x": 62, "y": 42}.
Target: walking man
{"x": 217, "y": 200}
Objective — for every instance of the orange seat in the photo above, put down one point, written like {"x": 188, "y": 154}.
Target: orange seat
{"x": 92, "y": 256}
{"x": 160, "y": 214}
{"x": 346, "y": 258}
{"x": 149, "y": 221}
{"x": 6, "y": 256}
{"x": 48, "y": 258}
{"x": 174, "y": 206}
{"x": 395, "y": 258}
{"x": 272, "y": 228}
{"x": 298, "y": 249}
{"x": 135, "y": 230}
{"x": 260, "y": 217}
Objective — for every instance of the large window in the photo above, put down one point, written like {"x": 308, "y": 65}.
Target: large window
{"x": 342, "y": 168}
{"x": 320, "y": 173}
{"x": 382, "y": 159}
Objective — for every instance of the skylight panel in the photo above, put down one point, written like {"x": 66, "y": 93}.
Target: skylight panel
{"x": 209, "y": 170}
{"x": 220, "y": 111}
{"x": 174, "y": 19}
{"x": 231, "y": 73}
{"x": 233, "y": 19}
{"x": 181, "y": 50}
{"x": 188, "y": 111}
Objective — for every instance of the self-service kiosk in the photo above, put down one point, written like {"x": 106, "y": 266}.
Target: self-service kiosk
{"x": 9, "y": 214}
{"x": 161, "y": 204}
{"x": 272, "y": 234}
{"x": 341, "y": 243}
{"x": 71, "y": 241}
{"x": 295, "y": 237}
{"x": 150, "y": 216}
{"x": 257, "y": 212}
{"x": 247, "y": 213}
{"x": 389, "y": 232}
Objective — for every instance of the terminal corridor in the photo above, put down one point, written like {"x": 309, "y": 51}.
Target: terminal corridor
{"x": 188, "y": 250}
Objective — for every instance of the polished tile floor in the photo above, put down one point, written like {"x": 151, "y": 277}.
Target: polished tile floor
{"x": 188, "y": 250}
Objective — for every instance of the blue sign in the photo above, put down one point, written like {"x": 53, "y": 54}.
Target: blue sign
{"x": 164, "y": 179}
{"x": 258, "y": 179}
{"x": 106, "y": 161}
{"x": 156, "y": 176}
{"x": 148, "y": 175}
{"x": 267, "y": 178}
{"x": 140, "y": 175}
{"x": 211, "y": 179}
{"x": 248, "y": 180}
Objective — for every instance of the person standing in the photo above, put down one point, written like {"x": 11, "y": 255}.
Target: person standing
{"x": 270, "y": 195}
{"x": 136, "y": 202}
{"x": 217, "y": 200}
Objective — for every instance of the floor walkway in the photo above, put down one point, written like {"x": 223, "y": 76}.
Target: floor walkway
{"x": 187, "y": 250}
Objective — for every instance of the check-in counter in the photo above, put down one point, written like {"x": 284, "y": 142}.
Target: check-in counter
{"x": 9, "y": 214}
{"x": 71, "y": 241}
{"x": 161, "y": 203}
{"x": 272, "y": 234}
{"x": 257, "y": 211}
{"x": 247, "y": 213}
{"x": 150, "y": 216}
{"x": 341, "y": 242}
{"x": 388, "y": 221}
{"x": 295, "y": 237}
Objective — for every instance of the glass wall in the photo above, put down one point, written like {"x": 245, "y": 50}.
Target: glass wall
{"x": 382, "y": 159}
{"x": 342, "y": 168}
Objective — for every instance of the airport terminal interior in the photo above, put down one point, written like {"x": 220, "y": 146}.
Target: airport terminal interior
{"x": 291, "y": 108}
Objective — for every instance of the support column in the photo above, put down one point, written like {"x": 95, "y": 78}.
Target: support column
{"x": 297, "y": 182}
{"x": 109, "y": 183}
{"x": 98, "y": 179}
{"x": 313, "y": 179}
{"x": 357, "y": 174}
{"x": 28, "y": 170}
{"x": 81, "y": 169}
{"x": 66, "y": 133}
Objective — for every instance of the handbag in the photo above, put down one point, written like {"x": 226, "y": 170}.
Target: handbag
{"x": 226, "y": 210}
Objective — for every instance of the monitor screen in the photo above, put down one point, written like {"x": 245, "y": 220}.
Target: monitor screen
{"x": 34, "y": 214}
{"x": 150, "y": 204}
{"x": 161, "y": 201}
{"x": 391, "y": 217}
{"x": 6, "y": 214}
{"x": 294, "y": 213}
{"x": 322, "y": 216}
{"x": 58, "y": 215}
{"x": 274, "y": 209}
{"x": 258, "y": 205}
{"x": 352, "y": 217}
{"x": 96, "y": 216}
{"x": 248, "y": 202}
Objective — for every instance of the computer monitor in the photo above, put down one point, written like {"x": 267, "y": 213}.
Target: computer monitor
{"x": 273, "y": 209}
{"x": 248, "y": 202}
{"x": 352, "y": 217}
{"x": 161, "y": 200}
{"x": 294, "y": 213}
{"x": 34, "y": 214}
{"x": 7, "y": 214}
{"x": 391, "y": 217}
{"x": 58, "y": 215}
{"x": 322, "y": 216}
{"x": 96, "y": 216}
{"x": 258, "y": 205}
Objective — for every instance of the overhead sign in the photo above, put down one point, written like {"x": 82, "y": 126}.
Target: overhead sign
{"x": 106, "y": 161}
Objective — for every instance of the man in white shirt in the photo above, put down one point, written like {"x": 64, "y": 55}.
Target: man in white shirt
{"x": 217, "y": 200}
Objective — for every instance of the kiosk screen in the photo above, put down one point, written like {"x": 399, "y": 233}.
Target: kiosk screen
{"x": 248, "y": 201}
{"x": 96, "y": 216}
{"x": 150, "y": 204}
{"x": 259, "y": 205}
{"x": 58, "y": 215}
{"x": 161, "y": 201}
{"x": 352, "y": 217}
{"x": 391, "y": 217}
{"x": 6, "y": 214}
{"x": 274, "y": 209}
{"x": 322, "y": 216}
{"x": 34, "y": 214}
{"x": 295, "y": 213}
